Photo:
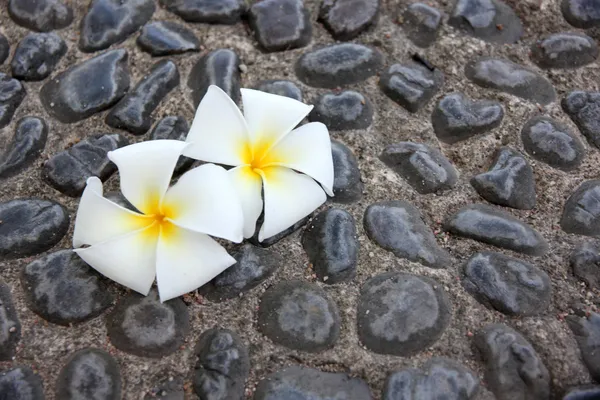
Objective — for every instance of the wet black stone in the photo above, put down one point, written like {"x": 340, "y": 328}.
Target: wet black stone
{"x": 343, "y": 111}
{"x": 163, "y": 38}
{"x": 552, "y": 143}
{"x": 12, "y": 93}
{"x": 456, "y": 117}
{"x": 338, "y": 65}
{"x": 20, "y": 383}
{"x": 564, "y": 50}
{"x": 280, "y": 24}
{"x": 509, "y": 182}
{"x": 30, "y": 226}
{"x": 586, "y": 330}
{"x": 253, "y": 266}
{"x": 346, "y": 19}
{"x": 133, "y": 112}
{"x": 89, "y": 374}
{"x": 440, "y": 378}
{"x": 219, "y": 67}
{"x": 585, "y": 261}
{"x": 299, "y": 315}
{"x": 268, "y": 242}
{"x": 111, "y": 21}
{"x": 422, "y": 23}
{"x": 69, "y": 170}
{"x": 40, "y": 15}
{"x": 37, "y": 55}
{"x": 513, "y": 368}
{"x": 222, "y": 365}
{"x": 584, "y": 110}
{"x": 28, "y": 142}
{"x": 582, "y": 14}
{"x": 490, "y": 225}
{"x": 401, "y": 314}
{"x": 581, "y": 214}
{"x": 168, "y": 389}
{"x": 87, "y": 88}
{"x": 173, "y": 128}
{"x": 63, "y": 289}
{"x": 145, "y": 327}
{"x": 302, "y": 383}
{"x": 208, "y": 11}
{"x": 281, "y": 88}
{"x": 489, "y": 20}
{"x": 426, "y": 169}
{"x": 586, "y": 392}
{"x": 331, "y": 243}
{"x": 10, "y": 327}
{"x": 4, "y": 48}
{"x": 515, "y": 79}
{"x": 347, "y": 186}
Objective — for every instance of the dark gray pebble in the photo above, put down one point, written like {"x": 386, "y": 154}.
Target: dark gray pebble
{"x": 10, "y": 328}
{"x": 346, "y": 19}
{"x": 581, "y": 214}
{"x": 421, "y": 22}
{"x": 347, "y": 185}
{"x": 4, "y": 48}
{"x": 586, "y": 329}
{"x": 219, "y": 67}
{"x": 490, "y": 20}
{"x": 12, "y": 93}
{"x": 40, "y": 15}
{"x": 582, "y": 14}
{"x": 343, "y": 111}
{"x": 584, "y": 110}
{"x": 585, "y": 392}
{"x": 163, "y": 38}
{"x": 36, "y": 56}
{"x": 27, "y": 144}
{"x": 173, "y": 128}
{"x": 21, "y": 383}
{"x": 585, "y": 261}
{"x": 564, "y": 50}
{"x": 207, "y": 11}
{"x": 281, "y": 88}
{"x": 280, "y": 24}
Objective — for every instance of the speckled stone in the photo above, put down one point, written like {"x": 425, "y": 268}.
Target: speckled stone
{"x": 586, "y": 330}
{"x": 581, "y": 214}
{"x": 585, "y": 262}
{"x": 27, "y": 144}
{"x": 12, "y": 93}
{"x": 20, "y": 383}
{"x": 507, "y": 76}
{"x": 299, "y": 315}
{"x": 280, "y": 24}
{"x": 207, "y": 11}
{"x": 346, "y": 19}
{"x": 36, "y": 56}
{"x": 347, "y": 185}
{"x": 401, "y": 314}
{"x": 584, "y": 110}
{"x": 163, "y": 38}
{"x": 173, "y": 128}
{"x": 40, "y": 15}
{"x": 586, "y": 392}
{"x": 4, "y": 48}
{"x": 482, "y": 19}
{"x": 219, "y": 67}
{"x": 343, "y": 111}
{"x": 10, "y": 327}
{"x": 281, "y": 88}
{"x": 421, "y": 23}
{"x": 564, "y": 50}
{"x": 582, "y": 14}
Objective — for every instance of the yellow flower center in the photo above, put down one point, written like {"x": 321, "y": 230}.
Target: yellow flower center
{"x": 258, "y": 156}
{"x": 157, "y": 218}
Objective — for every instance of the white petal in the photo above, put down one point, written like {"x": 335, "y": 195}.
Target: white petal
{"x": 129, "y": 259}
{"x": 289, "y": 197}
{"x": 307, "y": 150}
{"x": 145, "y": 171}
{"x": 187, "y": 260}
{"x": 270, "y": 117}
{"x": 218, "y": 133}
{"x": 249, "y": 190}
{"x": 205, "y": 200}
{"x": 99, "y": 219}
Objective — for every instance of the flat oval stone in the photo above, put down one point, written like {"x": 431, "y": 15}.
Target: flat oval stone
{"x": 331, "y": 243}
{"x": 509, "y": 182}
{"x": 163, "y": 38}
{"x": 12, "y": 93}
{"x": 347, "y": 185}
{"x": 20, "y": 383}
{"x": 513, "y": 368}
{"x": 61, "y": 288}
{"x": 299, "y": 315}
{"x": 585, "y": 262}
{"x": 280, "y": 24}
{"x": 40, "y": 15}
{"x": 343, "y": 111}
{"x": 281, "y": 88}
{"x": 581, "y": 214}
{"x": 552, "y": 143}
{"x": 338, "y": 65}
{"x": 222, "y": 367}
{"x": 564, "y": 50}
{"x": 30, "y": 226}
{"x": 421, "y": 23}
{"x": 490, "y": 225}
{"x": 582, "y": 14}
{"x": 10, "y": 327}
{"x": 507, "y": 76}
{"x": 584, "y": 110}
{"x": 253, "y": 265}
{"x": 69, "y": 170}
{"x": 36, "y": 56}
{"x": 89, "y": 374}
{"x": 173, "y": 128}
{"x": 207, "y": 11}
{"x": 145, "y": 327}
{"x": 4, "y": 48}
{"x": 401, "y": 314}
{"x": 111, "y": 21}
{"x": 346, "y": 19}
{"x": 586, "y": 330}
{"x": 411, "y": 85}
{"x": 398, "y": 226}
{"x": 490, "y": 20}
{"x": 27, "y": 144}
{"x": 456, "y": 117}
{"x": 219, "y": 67}
{"x": 133, "y": 112}
{"x": 302, "y": 383}
{"x": 87, "y": 88}
{"x": 586, "y": 392}
{"x": 426, "y": 169}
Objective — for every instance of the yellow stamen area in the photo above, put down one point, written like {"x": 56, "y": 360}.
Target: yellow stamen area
{"x": 259, "y": 158}
{"x": 158, "y": 219}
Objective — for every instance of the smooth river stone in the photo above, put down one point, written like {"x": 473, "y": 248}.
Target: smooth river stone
{"x": 40, "y": 15}
{"x": 582, "y": 14}
{"x": 21, "y": 383}
{"x": 421, "y": 23}
{"x": 347, "y": 184}
{"x": 346, "y": 19}
{"x": 490, "y": 20}
{"x": 207, "y": 11}
{"x": 584, "y": 110}
{"x": 12, "y": 93}
{"x": 280, "y": 24}
{"x": 163, "y": 38}
{"x": 581, "y": 214}
{"x": 27, "y": 144}
{"x": 281, "y": 88}
{"x": 586, "y": 329}
{"x": 585, "y": 262}
{"x": 4, "y": 48}
{"x": 10, "y": 327}
{"x": 343, "y": 111}
{"x": 564, "y": 50}
{"x": 219, "y": 67}
{"x": 36, "y": 56}
{"x": 173, "y": 128}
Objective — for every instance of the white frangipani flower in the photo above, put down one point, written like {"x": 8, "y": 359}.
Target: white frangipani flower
{"x": 267, "y": 155}
{"x": 168, "y": 239}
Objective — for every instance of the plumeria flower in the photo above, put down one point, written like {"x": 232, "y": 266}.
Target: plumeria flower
{"x": 268, "y": 156}
{"x": 168, "y": 237}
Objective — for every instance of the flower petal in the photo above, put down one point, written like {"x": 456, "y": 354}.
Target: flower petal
{"x": 187, "y": 260}
{"x": 205, "y": 200}
{"x": 129, "y": 259}
{"x": 249, "y": 190}
{"x": 145, "y": 170}
{"x": 307, "y": 150}
{"x": 289, "y": 197}
{"x": 218, "y": 133}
